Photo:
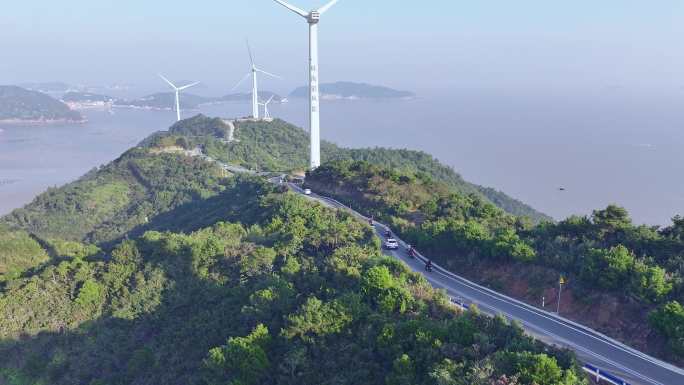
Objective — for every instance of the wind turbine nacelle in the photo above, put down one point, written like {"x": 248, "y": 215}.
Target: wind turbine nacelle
{"x": 314, "y": 17}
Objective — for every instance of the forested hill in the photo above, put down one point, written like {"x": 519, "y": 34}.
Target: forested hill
{"x": 158, "y": 176}
{"x": 109, "y": 202}
{"x": 421, "y": 162}
{"x": 21, "y": 105}
{"x": 251, "y": 286}
{"x": 280, "y": 146}
{"x": 622, "y": 279}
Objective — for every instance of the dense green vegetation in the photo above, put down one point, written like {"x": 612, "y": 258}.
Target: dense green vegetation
{"x": 18, "y": 253}
{"x": 280, "y": 146}
{"x": 261, "y": 287}
{"x": 604, "y": 252}
{"x": 18, "y": 104}
{"x": 111, "y": 201}
{"x": 349, "y": 90}
{"x": 408, "y": 161}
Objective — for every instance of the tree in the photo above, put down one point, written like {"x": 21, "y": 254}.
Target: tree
{"x": 540, "y": 369}
{"x": 403, "y": 371}
{"x": 242, "y": 361}
{"x": 650, "y": 282}
{"x": 611, "y": 220}
{"x": 380, "y": 287}
{"x": 447, "y": 372}
{"x": 508, "y": 243}
{"x": 676, "y": 231}
{"x": 183, "y": 142}
{"x": 260, "y": 261}
{"x": 669, "y": 321}
{"x": 317, "y": 319}
{"x": 91, "y": 295}
{"x": 608, "y": 268}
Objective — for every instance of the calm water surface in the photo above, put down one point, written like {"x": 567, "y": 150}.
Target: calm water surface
{"x": 607, "y": 147}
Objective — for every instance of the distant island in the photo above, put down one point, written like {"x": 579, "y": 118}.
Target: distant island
{"x": 166, "y": 100}
{"x": 86, "y": 100}
{"x": 353, "y": 91}
{"x": 247, "y": 96}
{"x": 19, "y": 105}
{"x": 52, "y": 88}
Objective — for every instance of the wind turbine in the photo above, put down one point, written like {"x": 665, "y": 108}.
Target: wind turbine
{"x": 255, "y": 91}
{"x": 313, "y": 17}
{"x": 178, "y": 90}
{"x": 267, "y": 116}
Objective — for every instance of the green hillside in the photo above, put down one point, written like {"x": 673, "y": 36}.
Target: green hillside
{"x": 109, "y": 202}
{"x": 280, "y": 146}
{"x": 262, "y": 287}
{"x": 18, "y": 253}
{"x": 623, "y": 270}
{"x": 421, "y": 162}
{"x": 153, "y": 178}
{"x": 18, "y": 104}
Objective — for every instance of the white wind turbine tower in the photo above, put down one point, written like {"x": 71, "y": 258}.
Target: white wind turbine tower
{"x": 313, "y": 18}
{"x": 267, "y": 116}
{"x": 178, "y": 90}
{"x": 255, "y": 90}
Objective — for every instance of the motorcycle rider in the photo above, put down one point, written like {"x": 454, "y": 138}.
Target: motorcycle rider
{"x": 428, "y": 265}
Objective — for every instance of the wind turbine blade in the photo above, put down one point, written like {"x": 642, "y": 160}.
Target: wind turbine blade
{"x": 167, "y": 81}
{"x": 188, "y": 86}
{"x": 269, "y": 74}
{"x": 241, "y": 81}
{"x": 293, "y": 8}
{"x": 249, "y": 49}
{"x": 270, "y": 99}
{"x": 327, "y": 7}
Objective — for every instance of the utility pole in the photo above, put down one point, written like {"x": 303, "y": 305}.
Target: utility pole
{"x": 561, "y": 282}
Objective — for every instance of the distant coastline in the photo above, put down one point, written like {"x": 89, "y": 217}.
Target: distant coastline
{"x": 5, "y": 182}
{"x": 165, "y": 101}
{"x": 354, "y": 91}
{"x": 39, "y": 122}
{"x": 19, "y": 106}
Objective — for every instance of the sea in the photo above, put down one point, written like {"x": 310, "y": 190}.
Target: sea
{"x": 562, "y": 153}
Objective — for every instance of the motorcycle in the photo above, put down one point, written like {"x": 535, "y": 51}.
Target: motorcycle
{"x": 411, "y": 252}
{"x": 428, "y": 267}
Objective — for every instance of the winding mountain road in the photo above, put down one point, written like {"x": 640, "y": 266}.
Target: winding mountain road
{"x": 591, "y": 347}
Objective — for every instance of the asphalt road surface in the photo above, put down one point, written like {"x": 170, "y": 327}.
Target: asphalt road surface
{"x": 590, "y": 346}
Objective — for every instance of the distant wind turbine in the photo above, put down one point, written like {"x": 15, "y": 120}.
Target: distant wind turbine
{"x": 178, "y": 90}
{"x": 255, "y": 91}
{"x": 313, "y": 18}
{"x": 267, "y": 116}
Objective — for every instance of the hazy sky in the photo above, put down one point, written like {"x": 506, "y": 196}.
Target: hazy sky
{"x": 406, "y": 44}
